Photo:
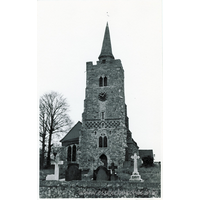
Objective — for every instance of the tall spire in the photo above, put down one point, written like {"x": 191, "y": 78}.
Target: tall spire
{"x": 106, "y": 50}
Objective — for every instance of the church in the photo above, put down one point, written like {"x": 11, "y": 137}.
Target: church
{"x": 103, "y": 137}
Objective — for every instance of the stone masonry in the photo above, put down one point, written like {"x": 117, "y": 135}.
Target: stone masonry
{"x": 105, "y": 130}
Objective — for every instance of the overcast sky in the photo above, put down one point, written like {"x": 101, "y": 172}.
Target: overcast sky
{"x": 70, "y": 33}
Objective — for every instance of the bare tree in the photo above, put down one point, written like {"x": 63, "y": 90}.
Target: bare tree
{"x": 54, "y": 119}
{"x": 43, "y": 119}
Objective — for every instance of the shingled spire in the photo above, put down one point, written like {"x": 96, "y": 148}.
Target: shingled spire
{"x": 106, "y": 51}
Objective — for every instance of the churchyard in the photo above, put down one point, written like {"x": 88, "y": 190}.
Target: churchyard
{"x": 98, "y": 157}
{"x": 127, "y": 182}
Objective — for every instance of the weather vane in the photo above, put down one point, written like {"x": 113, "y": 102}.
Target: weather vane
{"x": 107, "y": 16}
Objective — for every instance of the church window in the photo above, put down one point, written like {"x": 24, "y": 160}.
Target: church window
{"x": 103, "y": 61}
{"x": 102, "y": 124}
{"x": 100, "y": 81}
{"x": 102, "y": 115}
{"x": 69, "y": 157}
{"x": 105, "y": 142}
{"x": 74, "y": 153}
{"x": 100, "y": 142}
{"x": 105, "y": 81}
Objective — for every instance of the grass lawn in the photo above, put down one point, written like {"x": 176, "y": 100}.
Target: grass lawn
{"x": 149, "y": 174}
{"x": 90, "y": 189}
{"x": 45, "y": 172}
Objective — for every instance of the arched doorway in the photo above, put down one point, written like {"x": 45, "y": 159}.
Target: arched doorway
{"x": 102, "y": 173}
{"x": 103, "y": 158}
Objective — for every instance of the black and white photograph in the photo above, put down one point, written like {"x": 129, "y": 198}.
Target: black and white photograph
{"x": 100, "y": 98}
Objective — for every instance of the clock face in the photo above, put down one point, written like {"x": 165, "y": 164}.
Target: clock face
{"x": 102, "y": 96}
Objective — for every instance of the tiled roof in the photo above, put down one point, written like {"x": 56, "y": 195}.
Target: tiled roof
{"x": 73, "y": 133}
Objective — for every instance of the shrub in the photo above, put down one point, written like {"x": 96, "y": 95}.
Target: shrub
{"x": 147, "y": 161}
{"x": 42, "y": 176}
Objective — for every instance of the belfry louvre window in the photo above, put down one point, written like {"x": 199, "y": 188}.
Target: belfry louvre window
{"x": 103, "y": 141}
{"x": 103, "y": 81}
{"x": 100, "y": 81}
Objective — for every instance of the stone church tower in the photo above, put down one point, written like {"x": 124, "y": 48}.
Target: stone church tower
{"x": 105, "y": 136}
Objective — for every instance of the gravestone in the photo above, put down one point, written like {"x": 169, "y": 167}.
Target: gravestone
{"x": 113, "y": 177}
{"x": 55, "y": 176}
{"x": 101, "y": 174}
{"x": 50, "y": 177}
{"x": 135, "y": 175}
{"x": 56, "y": 169}
{"x": 72, "y": 172}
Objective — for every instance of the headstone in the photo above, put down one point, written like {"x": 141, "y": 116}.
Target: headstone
{"x": 113, "y": 167}
{"x": 50, "y": 177}
{"x": 101, "y": 174}
{"x": 73, "y": 172}
{"x": 113, "y": 175}
{"x": 135, "y": 175}
{"x": 56, "y": 169}
{"x": 55, "y": 176}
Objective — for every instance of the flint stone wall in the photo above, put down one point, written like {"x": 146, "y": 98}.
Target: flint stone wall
{"x": 95, "y": 189}
{"x": 114, "y": 125}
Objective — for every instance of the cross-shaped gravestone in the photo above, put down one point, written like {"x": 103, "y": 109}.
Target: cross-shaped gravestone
{"x": 135, "y": 157}
{"x": 135, "y": 176}
{"x": 113, "y": 167}
{"x": 56, "y": 169}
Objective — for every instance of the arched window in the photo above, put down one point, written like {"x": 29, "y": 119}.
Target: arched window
{"x": 74, "y": 153}
{"x": 100, "y": 81}
{"x": 105, "y": 81}
{"x": 102, "y": 115}
{"x": 69, "y": 157}
{"x": 100, "y": 141}
{"x": 105, "y": 141}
